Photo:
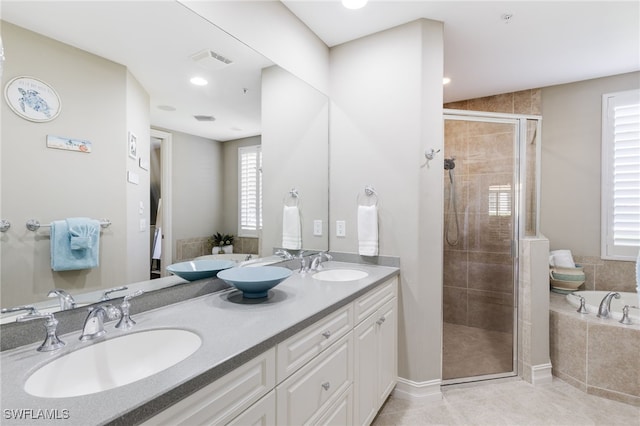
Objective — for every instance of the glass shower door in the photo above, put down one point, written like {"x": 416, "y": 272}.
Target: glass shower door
{"x": 481, "y": 211}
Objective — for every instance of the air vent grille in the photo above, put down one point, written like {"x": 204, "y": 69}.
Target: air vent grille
{"x": 211, "y": 60}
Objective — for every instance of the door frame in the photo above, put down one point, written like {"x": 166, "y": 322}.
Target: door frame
{"x": 166, "y": 147}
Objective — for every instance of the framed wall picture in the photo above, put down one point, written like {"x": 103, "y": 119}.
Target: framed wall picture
{"x": 133, "y": 146}
{"x": 32, "y": 99}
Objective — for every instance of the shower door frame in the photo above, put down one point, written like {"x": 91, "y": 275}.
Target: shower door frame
{"x": 520, "y": 172}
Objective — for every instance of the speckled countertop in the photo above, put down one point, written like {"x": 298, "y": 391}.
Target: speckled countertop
{"x": 232, "y": 333}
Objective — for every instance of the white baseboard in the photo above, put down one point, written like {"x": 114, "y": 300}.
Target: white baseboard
{"x": 418, "y": 391}
{"x": 541, "y": 374}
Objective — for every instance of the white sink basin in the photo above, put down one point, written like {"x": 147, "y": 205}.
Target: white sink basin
{"x": 340, "y": 275}
{"x": 112, "y": 363}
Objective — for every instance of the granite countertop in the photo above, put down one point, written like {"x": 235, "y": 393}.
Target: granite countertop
{"x": 232, "y": 331}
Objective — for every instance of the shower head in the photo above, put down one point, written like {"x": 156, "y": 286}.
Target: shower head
{"x": 449, "y": 163}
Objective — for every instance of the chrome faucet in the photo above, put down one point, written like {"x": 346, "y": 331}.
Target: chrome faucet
{"x": 126, "y": 322}
{"x": 303, "y": 263}
{"x": 604, "y": 310}
{"x": 316, "y": 263}
{"x": 105, "y": 295}
{"x": 284, "y": 254}
{"x": 51, "y": 340}
{"x": 65, "y": 299}
{"x": 94, "y": 323}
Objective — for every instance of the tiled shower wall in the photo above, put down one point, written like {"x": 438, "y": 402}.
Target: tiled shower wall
{"x": 478, "y": 271}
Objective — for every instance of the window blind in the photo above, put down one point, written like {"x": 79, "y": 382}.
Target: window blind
{"x": 621, "y": 175}
{"x": 249, "y": 191}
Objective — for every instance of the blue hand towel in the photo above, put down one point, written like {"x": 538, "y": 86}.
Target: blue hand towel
{"x": 75, "y": 244}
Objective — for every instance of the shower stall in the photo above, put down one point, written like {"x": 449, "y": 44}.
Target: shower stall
{"x": 490, "y": 201}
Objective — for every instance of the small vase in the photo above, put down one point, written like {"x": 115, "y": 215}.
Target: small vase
{"x": 227, "y": 249}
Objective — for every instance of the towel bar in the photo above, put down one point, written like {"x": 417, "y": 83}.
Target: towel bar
{"x": 34, "y": 225}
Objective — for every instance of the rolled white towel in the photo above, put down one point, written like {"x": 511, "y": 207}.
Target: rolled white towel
{"x": 561, "y": 259}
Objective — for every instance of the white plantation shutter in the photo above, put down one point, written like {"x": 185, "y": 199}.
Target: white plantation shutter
{"x": 249, "y": 191}
{"x": 621, "y": 175}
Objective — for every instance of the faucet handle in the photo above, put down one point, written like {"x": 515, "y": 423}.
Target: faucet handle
{"x": 625, "y": 316}
{"x": 126, "y": 322}
{"x": 51, "y": 340}
{"x": 32, "y": 312}
{"x": 582, "y": 309}
{"x": 105, "y": 295}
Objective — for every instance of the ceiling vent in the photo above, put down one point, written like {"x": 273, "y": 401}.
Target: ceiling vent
{"x": 211, "y": 60}
{"x": 204, "y": 117}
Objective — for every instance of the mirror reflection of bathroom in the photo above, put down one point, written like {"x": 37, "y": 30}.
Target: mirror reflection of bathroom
{"x": 482, "y": 216}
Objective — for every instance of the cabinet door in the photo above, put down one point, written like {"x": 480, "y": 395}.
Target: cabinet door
{"x": 366, "y": 371}
{"x": 387, "y": 322}
{"x": 375, "y": 364}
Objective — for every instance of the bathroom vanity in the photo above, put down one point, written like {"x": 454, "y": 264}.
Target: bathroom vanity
{"x": 314, "y": 352}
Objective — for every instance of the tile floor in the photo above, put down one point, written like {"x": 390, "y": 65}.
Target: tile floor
{"x": 473, "y": 351}
{"x": 510, "y": 402}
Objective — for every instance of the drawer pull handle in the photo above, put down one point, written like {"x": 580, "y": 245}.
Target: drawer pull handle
{"x": 381, "y": 320}
{"x": 326, "y": 334}
{"x": 326, "y": 385}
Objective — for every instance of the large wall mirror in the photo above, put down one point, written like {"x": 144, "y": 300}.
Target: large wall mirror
{"x": 121, "y": 71}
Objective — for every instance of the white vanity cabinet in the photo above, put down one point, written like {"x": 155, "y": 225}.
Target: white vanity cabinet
{"x": 221, "y": 401}
{"x": 376, "y": 345}
{"x": 337, "y": 371}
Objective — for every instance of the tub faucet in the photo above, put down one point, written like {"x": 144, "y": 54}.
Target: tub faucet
{"x": 604, "y": 310}
{"x": 94, "y": 323}
{"x": 65, "y": 299}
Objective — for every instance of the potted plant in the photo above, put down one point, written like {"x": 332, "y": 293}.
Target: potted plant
{"x": 222, "y": 243}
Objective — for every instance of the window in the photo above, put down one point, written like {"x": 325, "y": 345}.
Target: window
{"x": 500, "y": 200}
{"x": 621, "y": 175}
{"x": 249, "y": 190}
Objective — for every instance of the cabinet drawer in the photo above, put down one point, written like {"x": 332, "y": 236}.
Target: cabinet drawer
{"x": 299, "y": 349}
{"x": 338, "y": 413}
{"x": 371, "y": 302}
{"x": 224, "y": 399}
{"x": 317, "y": 385}
{"x": 261, "y": 413}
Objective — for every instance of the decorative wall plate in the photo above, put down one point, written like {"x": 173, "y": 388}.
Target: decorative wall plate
{"x": 32, "y": 99}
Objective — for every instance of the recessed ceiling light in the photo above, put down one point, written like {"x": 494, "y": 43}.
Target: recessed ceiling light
{"x": 199, "y": 81}
{"x": 446, "y": 80}
{"x": 354, "y": 4}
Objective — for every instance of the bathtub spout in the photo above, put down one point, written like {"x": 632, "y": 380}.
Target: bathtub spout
{"x": 605, "y": 305}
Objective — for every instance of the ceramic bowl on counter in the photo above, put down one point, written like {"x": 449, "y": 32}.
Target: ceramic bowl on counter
{"x": 255, "y": 283}
{"x": 193, "y": 270}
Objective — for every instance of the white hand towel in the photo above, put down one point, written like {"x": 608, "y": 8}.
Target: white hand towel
{"x": 368, "y": 230}
{"x": 291, "y": 233}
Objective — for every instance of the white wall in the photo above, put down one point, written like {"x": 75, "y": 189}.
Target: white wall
{"x": 295, "y": 125}
{"x": 138, "y": 199}
{"x": 386, "y": 109}
{"x": 49, "y": 184}
{"x": 197, "y": 186}
{"x": 273, "y": 31}
{"x": 571, "y": 161}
